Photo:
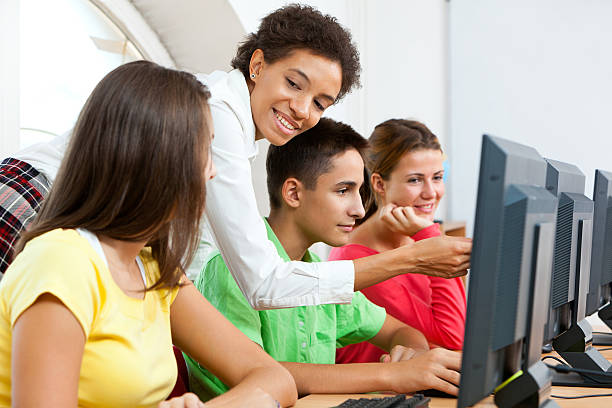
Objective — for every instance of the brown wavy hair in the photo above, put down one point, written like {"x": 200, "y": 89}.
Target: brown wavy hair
{"x": 134, "y": 168}
{"x": 298, "y": 26}
{"x": 389, "y": 141}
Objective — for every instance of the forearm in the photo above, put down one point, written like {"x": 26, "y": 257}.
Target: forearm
{"x": 395, "y": 333}
{"x": 338, "y": 378}
{"x": 276, "y": 382}
{"x": 409, "y": 337}
{"x": 377, "y": 268}
{"x": 444, "y": 256}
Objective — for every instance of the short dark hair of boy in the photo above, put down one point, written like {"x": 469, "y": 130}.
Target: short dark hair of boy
{"x": 295, "y": 27}
{"x": 309, "y": 155}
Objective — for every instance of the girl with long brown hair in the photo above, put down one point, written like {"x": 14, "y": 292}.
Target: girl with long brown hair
{"x": 405, "y": 161}
{"x": 97, "y": 295}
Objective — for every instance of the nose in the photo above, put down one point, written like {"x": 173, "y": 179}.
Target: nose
{"x": 356, "y": 210}
{"x": 300, "y": 106}
{"x": 428, "y": 191}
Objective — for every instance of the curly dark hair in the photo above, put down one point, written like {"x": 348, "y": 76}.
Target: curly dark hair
{"x": 298, "y": 26}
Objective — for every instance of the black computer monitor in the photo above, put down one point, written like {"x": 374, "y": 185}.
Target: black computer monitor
{"x": 572, "y": 254}
{"x": 598, "y": 298}
{"x": 510, "y": 275}
{"x": 567, "y": 328}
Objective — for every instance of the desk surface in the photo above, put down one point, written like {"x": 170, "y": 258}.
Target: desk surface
{"x": 331, "y": 400}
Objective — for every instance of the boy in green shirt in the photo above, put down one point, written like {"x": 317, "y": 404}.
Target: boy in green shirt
{"x": 314, "y": 186}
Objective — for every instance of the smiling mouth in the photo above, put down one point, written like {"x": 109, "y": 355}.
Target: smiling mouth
{"x": 284, "y": 121}
{"x": 426, "y": 207}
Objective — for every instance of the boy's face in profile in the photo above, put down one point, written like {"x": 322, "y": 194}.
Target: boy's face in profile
{"x": 328, "y": 212}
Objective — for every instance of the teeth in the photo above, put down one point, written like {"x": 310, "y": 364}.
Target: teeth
{"x": 284, "y": 122}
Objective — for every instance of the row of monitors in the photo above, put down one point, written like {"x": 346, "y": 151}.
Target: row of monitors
{"x": 541, "y": 262}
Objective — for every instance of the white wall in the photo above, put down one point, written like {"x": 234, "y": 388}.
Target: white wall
{"x": 9, "y": 76}
{"x": 536, "y": 72}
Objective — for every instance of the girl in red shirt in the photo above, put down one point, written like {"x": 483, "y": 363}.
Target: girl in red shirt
{"x": 405, "y": 161}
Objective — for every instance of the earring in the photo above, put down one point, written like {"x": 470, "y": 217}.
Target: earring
{"x": 253, "y": 76}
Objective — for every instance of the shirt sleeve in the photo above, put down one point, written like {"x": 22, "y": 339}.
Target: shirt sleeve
{"x": 359, "y": 321}
{"x": 432, "y": 231}
{"x": 265, "y": 279}
{"x": 60, "y": 270}
{"x": 217, "y": 285}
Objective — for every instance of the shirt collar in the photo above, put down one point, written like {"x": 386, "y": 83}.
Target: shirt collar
{"x": 238, "y": 85}
{"x": 279, "y": 247}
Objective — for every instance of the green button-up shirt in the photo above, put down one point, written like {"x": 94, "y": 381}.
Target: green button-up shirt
{"x": 305, "y": 334}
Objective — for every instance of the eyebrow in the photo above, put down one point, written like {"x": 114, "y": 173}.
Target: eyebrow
{"x": 421, "y": 174}
{"x": 346, "y": 183}
{"x": 303, "y": 75}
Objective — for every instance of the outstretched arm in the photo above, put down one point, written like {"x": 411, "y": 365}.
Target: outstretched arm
{"x": 445, "y": 257}
{"x": 436, "y": 369}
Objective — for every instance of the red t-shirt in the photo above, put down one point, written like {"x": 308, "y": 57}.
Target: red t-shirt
{"x": 435, "y": 306}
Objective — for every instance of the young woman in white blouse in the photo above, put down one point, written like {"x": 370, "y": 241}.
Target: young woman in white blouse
{"x": 295, "y": 66}
{"x": 298, "y": 63}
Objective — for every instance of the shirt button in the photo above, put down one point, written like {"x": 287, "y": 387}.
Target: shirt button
{"x": 304, "y": 345}
{"x": 300, "y": 324}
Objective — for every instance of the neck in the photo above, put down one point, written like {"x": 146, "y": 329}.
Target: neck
{"x": 120, "y": 252}
{"x": 374, "y": 234}
{"x": 292, "y": 238}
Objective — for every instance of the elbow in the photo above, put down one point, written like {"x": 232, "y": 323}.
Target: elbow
{"x": 257, "y": 298}
{"x": 288, "y": 390}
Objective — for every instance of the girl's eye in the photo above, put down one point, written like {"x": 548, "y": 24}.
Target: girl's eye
{"x": 413, "y": 180}
{"x": 342, "y": 191}
{"x": 292, "y": 84}
{"x": 438, "y": 178}
{"x": 319, "y": 106}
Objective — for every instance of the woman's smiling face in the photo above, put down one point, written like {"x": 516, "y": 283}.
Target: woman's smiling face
{"x": 289, "y": 95}
{"x": 417, "y": 181}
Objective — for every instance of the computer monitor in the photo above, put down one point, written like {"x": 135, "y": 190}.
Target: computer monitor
{"x": 572, "y": 253}
{"x": 598, "y": 298}
{"x": 570, "y": 333}
{"x": 511, "y": 262}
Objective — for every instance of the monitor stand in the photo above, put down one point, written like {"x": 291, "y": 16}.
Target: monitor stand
{"x": 574, "y": 345}
{"x": 529, "y": 390}
{"x": 602, "y": 339}
{"x": 605, "y": 314}
{"x": 576, "y": 380}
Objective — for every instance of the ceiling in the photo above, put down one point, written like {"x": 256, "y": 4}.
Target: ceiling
{"x": 198, "y": 35}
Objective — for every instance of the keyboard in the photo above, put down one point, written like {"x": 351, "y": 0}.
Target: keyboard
{"x": 396, "y": 401}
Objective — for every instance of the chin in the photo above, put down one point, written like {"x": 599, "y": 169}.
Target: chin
{"x": 338, "y": 242}
{"x": 278, "y": 140}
